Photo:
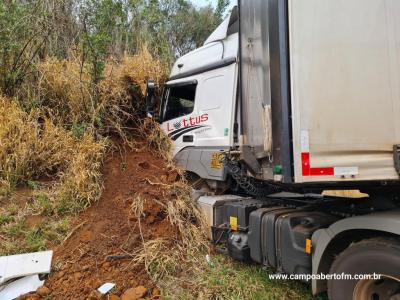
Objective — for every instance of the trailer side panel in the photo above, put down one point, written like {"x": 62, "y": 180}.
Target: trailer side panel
{"x": 345, "y": 86}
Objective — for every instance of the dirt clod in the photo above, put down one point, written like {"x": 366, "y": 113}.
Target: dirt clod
{"x": 94, "y": 295}
{"x": 155, "y": 293}
{"x": 134, "y": 293}
{"x": 32, "y": 297}
{"x": 43, "y": 291}
{"x": 78, "y": 276}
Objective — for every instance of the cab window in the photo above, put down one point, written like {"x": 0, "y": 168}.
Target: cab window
{"x": 179, "y": 101}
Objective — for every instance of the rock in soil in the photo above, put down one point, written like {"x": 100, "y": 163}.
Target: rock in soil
{"x": 94, "y": 295}
{"x": 134, "y": 293}
{"x": 43, "y": 291}
{"x": 155, "y": 294}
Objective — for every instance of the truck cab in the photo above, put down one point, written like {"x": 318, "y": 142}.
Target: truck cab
{"x": 199, "y": 104}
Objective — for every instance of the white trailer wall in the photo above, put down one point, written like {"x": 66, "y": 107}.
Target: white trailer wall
{"x": 345, "y": 77}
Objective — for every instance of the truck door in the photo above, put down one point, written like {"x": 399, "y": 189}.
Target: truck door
{"x": 199, "y": 111}
{"x": 217, "y": 94}
{"x": 178, "y": 114}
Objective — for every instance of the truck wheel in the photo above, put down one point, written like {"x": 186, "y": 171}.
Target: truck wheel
{"x": 379, "y": 256}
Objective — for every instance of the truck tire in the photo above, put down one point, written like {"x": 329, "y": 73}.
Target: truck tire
{"x": 379, "y": 256}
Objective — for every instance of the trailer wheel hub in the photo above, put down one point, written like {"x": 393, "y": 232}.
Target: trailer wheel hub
{"x": 386, "y": 288}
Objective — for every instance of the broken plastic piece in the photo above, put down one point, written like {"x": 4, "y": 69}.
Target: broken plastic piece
{"x": 21, "y": 265}
{"x": 105, "y": 288}
{"x": 20, "y": 287}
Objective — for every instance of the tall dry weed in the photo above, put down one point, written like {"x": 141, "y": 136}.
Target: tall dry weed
{"x": 28, "y": 148}
{"x": 32, "y": 147}
{"x": 111, "y": 106}
{"x": 158, "y": 142}
{"x": 65, "y": 88}
{"x": 173, "y": 263}
{"x": 123, "y": 88}
{"x": 17, "y": 138}
{"x": 80, "y": 184}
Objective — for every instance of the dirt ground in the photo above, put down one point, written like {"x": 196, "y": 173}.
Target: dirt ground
{"x": 99, "y": 247}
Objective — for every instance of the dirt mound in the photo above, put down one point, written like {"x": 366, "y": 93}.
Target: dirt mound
{"x": 100, "y": 247}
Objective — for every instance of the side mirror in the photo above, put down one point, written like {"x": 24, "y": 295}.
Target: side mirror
{"x": 150, "y": 98}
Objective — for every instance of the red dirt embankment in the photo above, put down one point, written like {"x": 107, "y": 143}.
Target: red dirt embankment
{"x": 98, "y": 249}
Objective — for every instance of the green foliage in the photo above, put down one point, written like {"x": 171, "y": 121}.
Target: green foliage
{"x": 100, "y": 20}
{"x": 15, "y": 40}
{"x": 192, "y": 28}
{"x": 16, "y": 229}
{"x": 244, "y": 281}
{"x": 37, "y": 238}
{"x": 44, "y": 204}
{"x": 34, "y": 185}
{"x": 20, "y": 239}
{"x": 13, "y": 209}
{"x": 95, "y": 30}
{"x": 5, "y": 219}
{"x": 222, "y": 5}
{"x": 174, "y": 27}
{"x": 78, "y": 130}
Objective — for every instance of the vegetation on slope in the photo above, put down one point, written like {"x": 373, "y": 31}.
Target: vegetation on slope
{"x": 33, "y": 148}
{"x": 62, "y": 139}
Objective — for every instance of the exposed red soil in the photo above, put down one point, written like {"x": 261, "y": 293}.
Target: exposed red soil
{"x": 104, "y": 235}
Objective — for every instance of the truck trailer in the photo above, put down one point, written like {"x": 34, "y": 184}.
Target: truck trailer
{"x": 286, "y": 100}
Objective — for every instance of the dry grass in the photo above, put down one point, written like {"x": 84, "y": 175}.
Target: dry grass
{"x": 133, "y": 72}
{"x": 33, "y": 148}
{"x": 29, "y": 148}
{"x": 111, "y": 106}
{"x": 123, "y": 87}
{"x": 64, "y": 88}
{"x": 174, "y": 262}
{"x": 159, "y": 143}
{"x": 81, "y": 183}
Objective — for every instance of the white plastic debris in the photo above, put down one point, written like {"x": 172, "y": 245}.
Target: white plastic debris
{"x": 20, "y": 287}
{"x": 16, "y": 266}
{"x": 105, "y": 288}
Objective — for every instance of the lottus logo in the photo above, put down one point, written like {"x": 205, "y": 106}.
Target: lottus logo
{"x": 187, "y": 122}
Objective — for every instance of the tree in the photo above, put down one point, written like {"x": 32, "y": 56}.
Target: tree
{"x": 222, "y": 6}
{"x": 22, "y": 36}
{"x": 190, "y": 26}
{"x": 31, "y": 30}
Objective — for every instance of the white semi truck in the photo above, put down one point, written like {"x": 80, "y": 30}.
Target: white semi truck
{"x": 285, "y": 100}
